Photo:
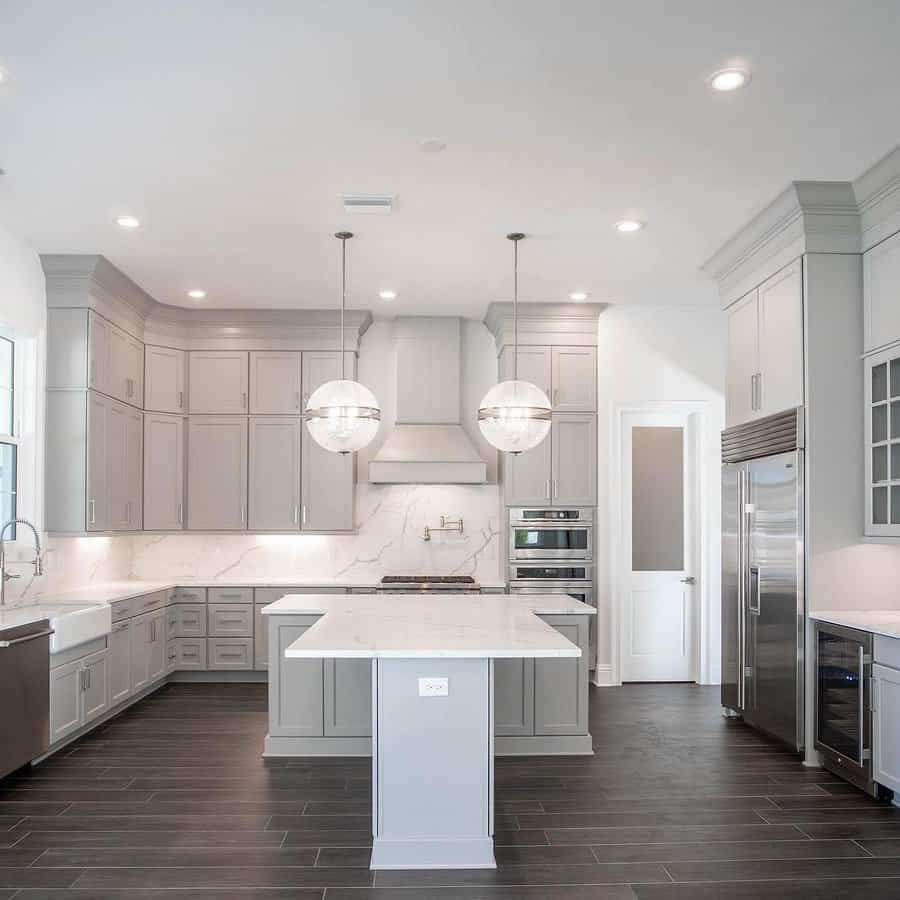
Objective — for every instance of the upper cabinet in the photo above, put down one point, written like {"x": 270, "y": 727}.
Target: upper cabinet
{"x": 275, "y": 382}
{"x": 765, "y": 348}
{"x": 218, "y": 381}
{"x": 321, "y": 366}
{"x": 164, "y": 380}
{"x": 881, "y": 280}
{"x": 275, "y": 446}
{"x": 217, "y": 473}
{"x": 882, "y": 402}
{"x": 568, "y": 375}
{"x": 163, "y": 472}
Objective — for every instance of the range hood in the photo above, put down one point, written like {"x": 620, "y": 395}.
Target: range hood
{"x": 427, "y": 445}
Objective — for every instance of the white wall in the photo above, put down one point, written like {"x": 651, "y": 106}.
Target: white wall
{"x": 648, "y": 356}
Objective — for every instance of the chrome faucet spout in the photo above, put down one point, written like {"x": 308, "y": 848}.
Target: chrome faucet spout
{"x": 37, "y": 561}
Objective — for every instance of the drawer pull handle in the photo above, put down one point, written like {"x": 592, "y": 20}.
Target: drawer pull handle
{"x": 230, "y": 596}
{"x": 232, "y": 655}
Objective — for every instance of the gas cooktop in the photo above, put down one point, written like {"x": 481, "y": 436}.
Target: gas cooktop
{"x": 429, "y": 583}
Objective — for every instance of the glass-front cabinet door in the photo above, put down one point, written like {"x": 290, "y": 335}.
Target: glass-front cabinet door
{"x": 882, "y": 379}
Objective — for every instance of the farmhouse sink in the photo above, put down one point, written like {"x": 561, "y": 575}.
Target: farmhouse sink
{"x": 75, "y": 624}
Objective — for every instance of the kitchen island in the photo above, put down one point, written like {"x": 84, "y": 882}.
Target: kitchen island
{"x": 432, "y": 672}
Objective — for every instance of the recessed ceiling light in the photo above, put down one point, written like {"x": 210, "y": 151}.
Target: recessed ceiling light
{"x": 387, "y": 295}
{"x": 128, "y": 222}
{"x": 433, "y": 145}
{"x": 729, "y": 79}
{"x": 629, "y": 226}
{"x": 577, "y": 296}
{"x": 196, "y": 294}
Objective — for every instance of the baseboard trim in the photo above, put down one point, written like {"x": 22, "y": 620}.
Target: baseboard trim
{"x": 278, "y": 747}
{"x": 603, "y": 676}
{"x": 243, "y": 676}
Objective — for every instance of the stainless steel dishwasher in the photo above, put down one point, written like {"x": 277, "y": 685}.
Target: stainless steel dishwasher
{"x": 25, "y": 693}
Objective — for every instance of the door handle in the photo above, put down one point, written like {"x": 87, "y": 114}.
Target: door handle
{"x": 181, "y": 399}
{"x": 92, "y": 508}
{"x": 754, "y": 591}
{"x": 688, "y": 580}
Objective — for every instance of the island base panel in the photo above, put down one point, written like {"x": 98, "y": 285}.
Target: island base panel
{"x": 433, "y": 765}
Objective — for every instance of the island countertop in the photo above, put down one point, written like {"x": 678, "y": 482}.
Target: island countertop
{"x": 409, "y": 626}
{"x": 885, "y": 622}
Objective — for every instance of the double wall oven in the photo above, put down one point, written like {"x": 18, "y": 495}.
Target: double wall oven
{"x": 551, "y": 551}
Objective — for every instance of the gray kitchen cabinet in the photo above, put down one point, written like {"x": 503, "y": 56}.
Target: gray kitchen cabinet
{"x": 65, "y": 700}
{"x": 561, "y": 685}
{"x": 95, "y": 692}
{"x": 123, "y": 456}
{"x": 295, "y": 685}
{"x": 148, "y": 641}
{"x": 886, "y": 726}
{"x": 514, "y": 697}
{"x": 224, "y": 653}
{"x": 217, "y": 473}
{"x": 99, "y": 375}
{"x": 79, "y": 693}
{"x": 275, "y": 382}
{"x": 134, "y": 469}
{"x": 527, "y": 476}
{"x": 171, "y": 656}
{"x": 274, "y": 474}
{"x": 574, "y": 467}
{"x": 260, "y": 639}
{"x": 348, "y": 698}
{"x": 164, "y": 380}
{"x": 320, "y": 366}
{"x": 163, "y": 472}
{"x": 190, "y": 595}
{"x": 327, "y": 490}
{"x": 126, "y": 367}
{"x": 218, "y": 381}
{"x": 97, "y": 512}
{"x": 881, "y": 292}
{"x": 561, "y": 470}
{"x": 765, "y": 348}
{"x": 120, "y": 662}
{"x": 189, "y": 618}
{"x": 535, "y": 364}
{"x": 230, "y": 620}
{"x": 230, "y": 595}
{"x": 190, "y": 653}
{"x": 574, "y": 379}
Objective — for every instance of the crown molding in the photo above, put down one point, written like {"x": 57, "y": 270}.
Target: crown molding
{"x": 806, "y": 217}
{"x": 91, "y": 281}
{"x": 562, "y": 324}
{"x": 877, "y": 193}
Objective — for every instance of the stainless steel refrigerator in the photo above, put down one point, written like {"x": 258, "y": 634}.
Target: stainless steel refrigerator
{"x": 763, "y": 603}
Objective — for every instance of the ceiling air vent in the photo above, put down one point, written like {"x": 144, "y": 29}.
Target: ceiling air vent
{"x": 373, "y": 204}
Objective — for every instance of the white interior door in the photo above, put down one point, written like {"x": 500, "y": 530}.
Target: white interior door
{"x": 659, "y": 541}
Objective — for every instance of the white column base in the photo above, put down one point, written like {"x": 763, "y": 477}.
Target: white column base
{"x": 476, "y": 853}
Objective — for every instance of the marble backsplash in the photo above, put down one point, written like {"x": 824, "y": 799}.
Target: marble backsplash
{"x": 391, "y": 521}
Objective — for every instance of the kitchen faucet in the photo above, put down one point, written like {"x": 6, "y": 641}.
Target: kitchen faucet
{"x": 38, "y": 565}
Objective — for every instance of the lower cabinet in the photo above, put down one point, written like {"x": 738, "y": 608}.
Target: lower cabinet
{"x": 79, "y": 693}
{"x": 120, "y": 662}
{"x": 886, "y": 727}
{"x": 295, "y": 685}
{"x": 148, "y": 655}
{"x": 514, "y": 697}
{"x": 260, "y": 638}
{"x": 229, "y": 653}
{"x": 544, "y": 696}
{"x": 190, "y": 653}
{"x": 348, "y": 698}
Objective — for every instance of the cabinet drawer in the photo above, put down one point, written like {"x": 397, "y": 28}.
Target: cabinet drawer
{"x": 887, "y": 651}
{"x": 229, "y": 653}
{"x": 190, "y": 653}
{"x": 190, "y": 595}
{"x": 230, "y": 619}
{"x": 121, "y": 609}
{"x": 147, "y": 603}
{"x": 231, "y": 595}
{"x": 190, "y": 620}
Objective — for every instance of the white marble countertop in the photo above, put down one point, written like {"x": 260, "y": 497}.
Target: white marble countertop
{"x": 406, "y": 626}
{"x": 885, "y": 622}
{"x": 113, "y": 591}
{"x": 15, "y": 616}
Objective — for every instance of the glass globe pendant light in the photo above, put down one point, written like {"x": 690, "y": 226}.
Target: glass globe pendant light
{"x": 515, "y": 415}
{"x": 342, "y": 416}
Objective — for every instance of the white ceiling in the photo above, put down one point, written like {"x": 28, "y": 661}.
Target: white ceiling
{"x": 229, "y": 128}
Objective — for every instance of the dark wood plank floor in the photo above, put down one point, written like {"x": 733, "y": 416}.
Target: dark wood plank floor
{"x": 171, "y": 800}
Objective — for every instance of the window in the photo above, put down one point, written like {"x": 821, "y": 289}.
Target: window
{"x": 8, "y": 442}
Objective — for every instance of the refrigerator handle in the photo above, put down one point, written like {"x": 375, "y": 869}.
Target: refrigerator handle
{"x": 753, "y": 599}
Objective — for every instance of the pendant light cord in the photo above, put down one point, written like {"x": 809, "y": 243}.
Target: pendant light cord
{"x": 515, "y": 237}
{"x": 343, "y": 237}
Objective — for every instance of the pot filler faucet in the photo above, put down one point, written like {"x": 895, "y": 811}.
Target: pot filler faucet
{"x": 38, "y": 565}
